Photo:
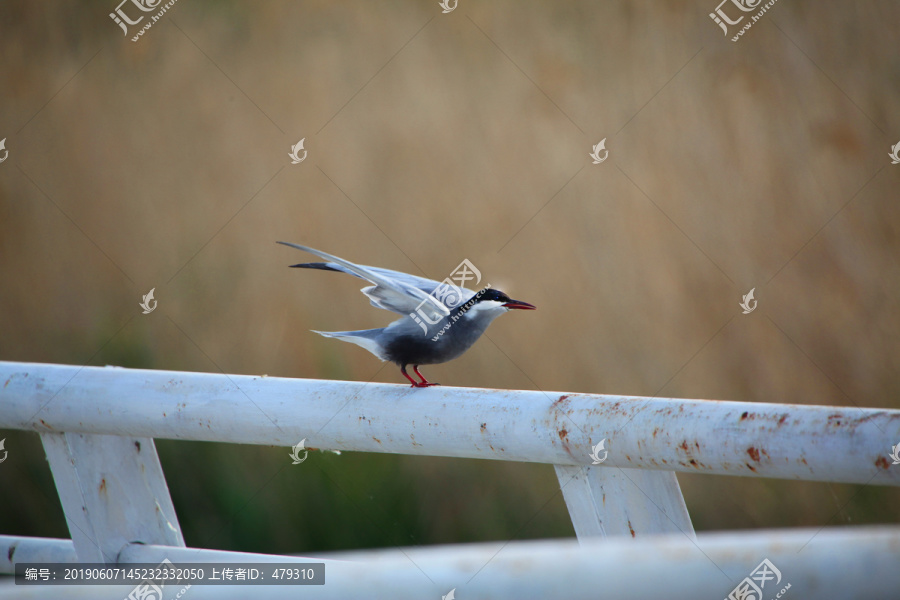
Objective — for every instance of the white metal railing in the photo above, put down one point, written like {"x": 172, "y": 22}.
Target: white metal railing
{"x": 98, "y": 424}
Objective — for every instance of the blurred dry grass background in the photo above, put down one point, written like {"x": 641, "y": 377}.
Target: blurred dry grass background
{"x": 433, "y": 138}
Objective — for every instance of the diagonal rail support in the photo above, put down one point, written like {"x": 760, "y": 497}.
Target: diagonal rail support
{"x": 113, "y": 493}
{"x": 612, "y": 502}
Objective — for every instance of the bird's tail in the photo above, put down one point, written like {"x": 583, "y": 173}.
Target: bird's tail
{"x": 366, "y": 338}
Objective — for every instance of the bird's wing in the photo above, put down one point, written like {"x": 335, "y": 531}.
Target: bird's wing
{"x": 394, "y": 291}
{"x": 448, "y": 296}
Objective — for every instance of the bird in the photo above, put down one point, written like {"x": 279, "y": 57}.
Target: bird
{"x": 439, "y": 321}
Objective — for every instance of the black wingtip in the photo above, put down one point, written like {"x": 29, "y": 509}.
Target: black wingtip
{"x": 322, "y": 266}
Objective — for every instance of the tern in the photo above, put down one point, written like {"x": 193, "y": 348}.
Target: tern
{"x": 439, "y": 323}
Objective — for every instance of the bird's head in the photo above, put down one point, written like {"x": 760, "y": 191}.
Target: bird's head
{"x": 496, "y": 298}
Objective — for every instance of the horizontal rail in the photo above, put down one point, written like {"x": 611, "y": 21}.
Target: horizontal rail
{"x": 847, "y": 562}
{"x": 23, "y": 549}
{"x": 819, "y": 443}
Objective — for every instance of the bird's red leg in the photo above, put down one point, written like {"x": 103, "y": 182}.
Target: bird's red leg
{"x": 424, "y": 383}
{"x": 411, "y": 380}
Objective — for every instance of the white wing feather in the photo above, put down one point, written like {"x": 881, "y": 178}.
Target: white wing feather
{"x": 394, "y": 291}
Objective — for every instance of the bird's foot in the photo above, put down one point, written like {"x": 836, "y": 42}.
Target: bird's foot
{"x": 421, "y": 384}
{"x": 422, "y": 381}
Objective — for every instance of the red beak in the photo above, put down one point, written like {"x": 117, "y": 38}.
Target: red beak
{"x": 520, "y": 305}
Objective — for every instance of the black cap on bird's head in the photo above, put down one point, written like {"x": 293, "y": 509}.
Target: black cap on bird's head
{"x": 506, "y": 301}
